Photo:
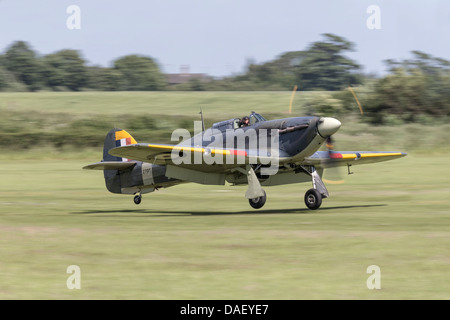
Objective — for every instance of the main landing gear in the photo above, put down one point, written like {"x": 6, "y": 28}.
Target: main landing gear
{"x": 314, "y": 196}
{"x": 255, "y": 194}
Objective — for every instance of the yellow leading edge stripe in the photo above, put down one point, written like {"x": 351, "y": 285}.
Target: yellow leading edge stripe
{"x": 363, "y": 155}
{"x": 345, "y": 156}
{"x": 369, "y": 155}
{"x": 214, "y": 151}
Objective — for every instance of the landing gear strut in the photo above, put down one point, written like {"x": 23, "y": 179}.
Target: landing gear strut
{"x": 255, "y": 194}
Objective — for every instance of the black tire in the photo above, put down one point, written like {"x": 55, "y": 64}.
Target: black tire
{"x": 313, "y": 199}
{"x": 137, "y": 199}
{"x": 259, "y": 202}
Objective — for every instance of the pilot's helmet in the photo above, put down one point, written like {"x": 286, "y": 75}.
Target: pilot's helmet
{"x": 245, "y": 118}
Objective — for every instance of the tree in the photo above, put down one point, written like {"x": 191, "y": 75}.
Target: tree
{"x": 399, "y": 94}
{"x": 140, "y": 73}
{"x": 414, "y": 88}
{"x": 3, "y": 78}
{"x": 324, "y": 67}
{"x": 65, "y": 68}
{"x": 22, "y": 62}
{"x": 105, "y": 79}
{"x": 273, "y": 75}
{"x": 321, "y": 66}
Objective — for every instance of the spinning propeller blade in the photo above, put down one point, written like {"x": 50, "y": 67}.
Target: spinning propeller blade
{"x": 332, "y": 173}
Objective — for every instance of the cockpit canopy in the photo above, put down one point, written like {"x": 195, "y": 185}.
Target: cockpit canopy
{"x": 256, "y": 117}
{"x": 236, "y": 122}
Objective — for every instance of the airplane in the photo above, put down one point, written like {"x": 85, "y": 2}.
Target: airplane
{"x": 261, "y": 153}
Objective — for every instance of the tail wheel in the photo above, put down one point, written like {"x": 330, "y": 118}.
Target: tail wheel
{"x": 259, "y": 202}
{"x": 137, "y": 199}
{"x": 313, "y": 199}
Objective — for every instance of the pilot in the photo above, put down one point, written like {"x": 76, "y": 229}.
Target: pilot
{"x": 245, "y": 122}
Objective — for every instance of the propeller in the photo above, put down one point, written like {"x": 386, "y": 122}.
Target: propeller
{"x": 327, "y": 127}
{"x": 332, "y": 174}
{"x": 329, "y": 143}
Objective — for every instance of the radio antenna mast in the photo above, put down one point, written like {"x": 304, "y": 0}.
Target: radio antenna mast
{"x": 203, "y": 122}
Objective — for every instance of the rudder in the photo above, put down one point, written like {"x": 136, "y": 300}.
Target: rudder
{"x": 115, "y": 138}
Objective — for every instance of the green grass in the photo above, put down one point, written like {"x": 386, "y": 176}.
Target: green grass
{"x": 202, "y": 242}
{"x": 152, "y": 103}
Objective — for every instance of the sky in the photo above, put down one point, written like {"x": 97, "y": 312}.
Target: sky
{"x": 219, "y": 37}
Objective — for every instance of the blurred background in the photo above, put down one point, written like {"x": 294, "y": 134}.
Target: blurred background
{"x": 395, "y": 56}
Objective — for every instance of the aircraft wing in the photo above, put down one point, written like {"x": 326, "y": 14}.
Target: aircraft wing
{"x": 160, "y": 153}
{"x": 325, "y": 159}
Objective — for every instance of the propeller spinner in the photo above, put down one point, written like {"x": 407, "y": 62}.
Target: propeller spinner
{"x": 328, "y": 126}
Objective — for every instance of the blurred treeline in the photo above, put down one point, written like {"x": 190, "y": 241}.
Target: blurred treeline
{"x": 414, "y": 90}
{"x": 44, "y": 133}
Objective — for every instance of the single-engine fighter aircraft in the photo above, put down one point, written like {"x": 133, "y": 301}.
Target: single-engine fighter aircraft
{"x": 252, "y": 151}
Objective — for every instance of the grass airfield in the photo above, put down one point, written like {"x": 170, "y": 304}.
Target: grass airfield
{"x": 200, "y": 242}
{"x": 206, "y": 242}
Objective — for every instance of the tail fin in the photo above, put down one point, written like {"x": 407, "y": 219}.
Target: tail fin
{"x": 115, "y": 138}
{"x": 125, "y": 176}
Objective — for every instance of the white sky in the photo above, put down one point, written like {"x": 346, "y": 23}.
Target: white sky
{"x": 218, "y": 36}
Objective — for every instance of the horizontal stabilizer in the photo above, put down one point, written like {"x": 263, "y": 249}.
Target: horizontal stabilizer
{"x": 110, "y": 165}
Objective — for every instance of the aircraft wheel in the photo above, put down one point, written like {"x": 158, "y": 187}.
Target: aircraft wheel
{"x": 313, "y": 199}
{"x": 137, "y": 199}
{"x": 259, "y": 202}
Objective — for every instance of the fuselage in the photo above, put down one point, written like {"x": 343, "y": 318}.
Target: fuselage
{"x": 296, "y": 138}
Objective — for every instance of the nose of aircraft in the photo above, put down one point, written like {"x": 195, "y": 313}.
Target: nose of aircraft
{"x": 328, "y": 126}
